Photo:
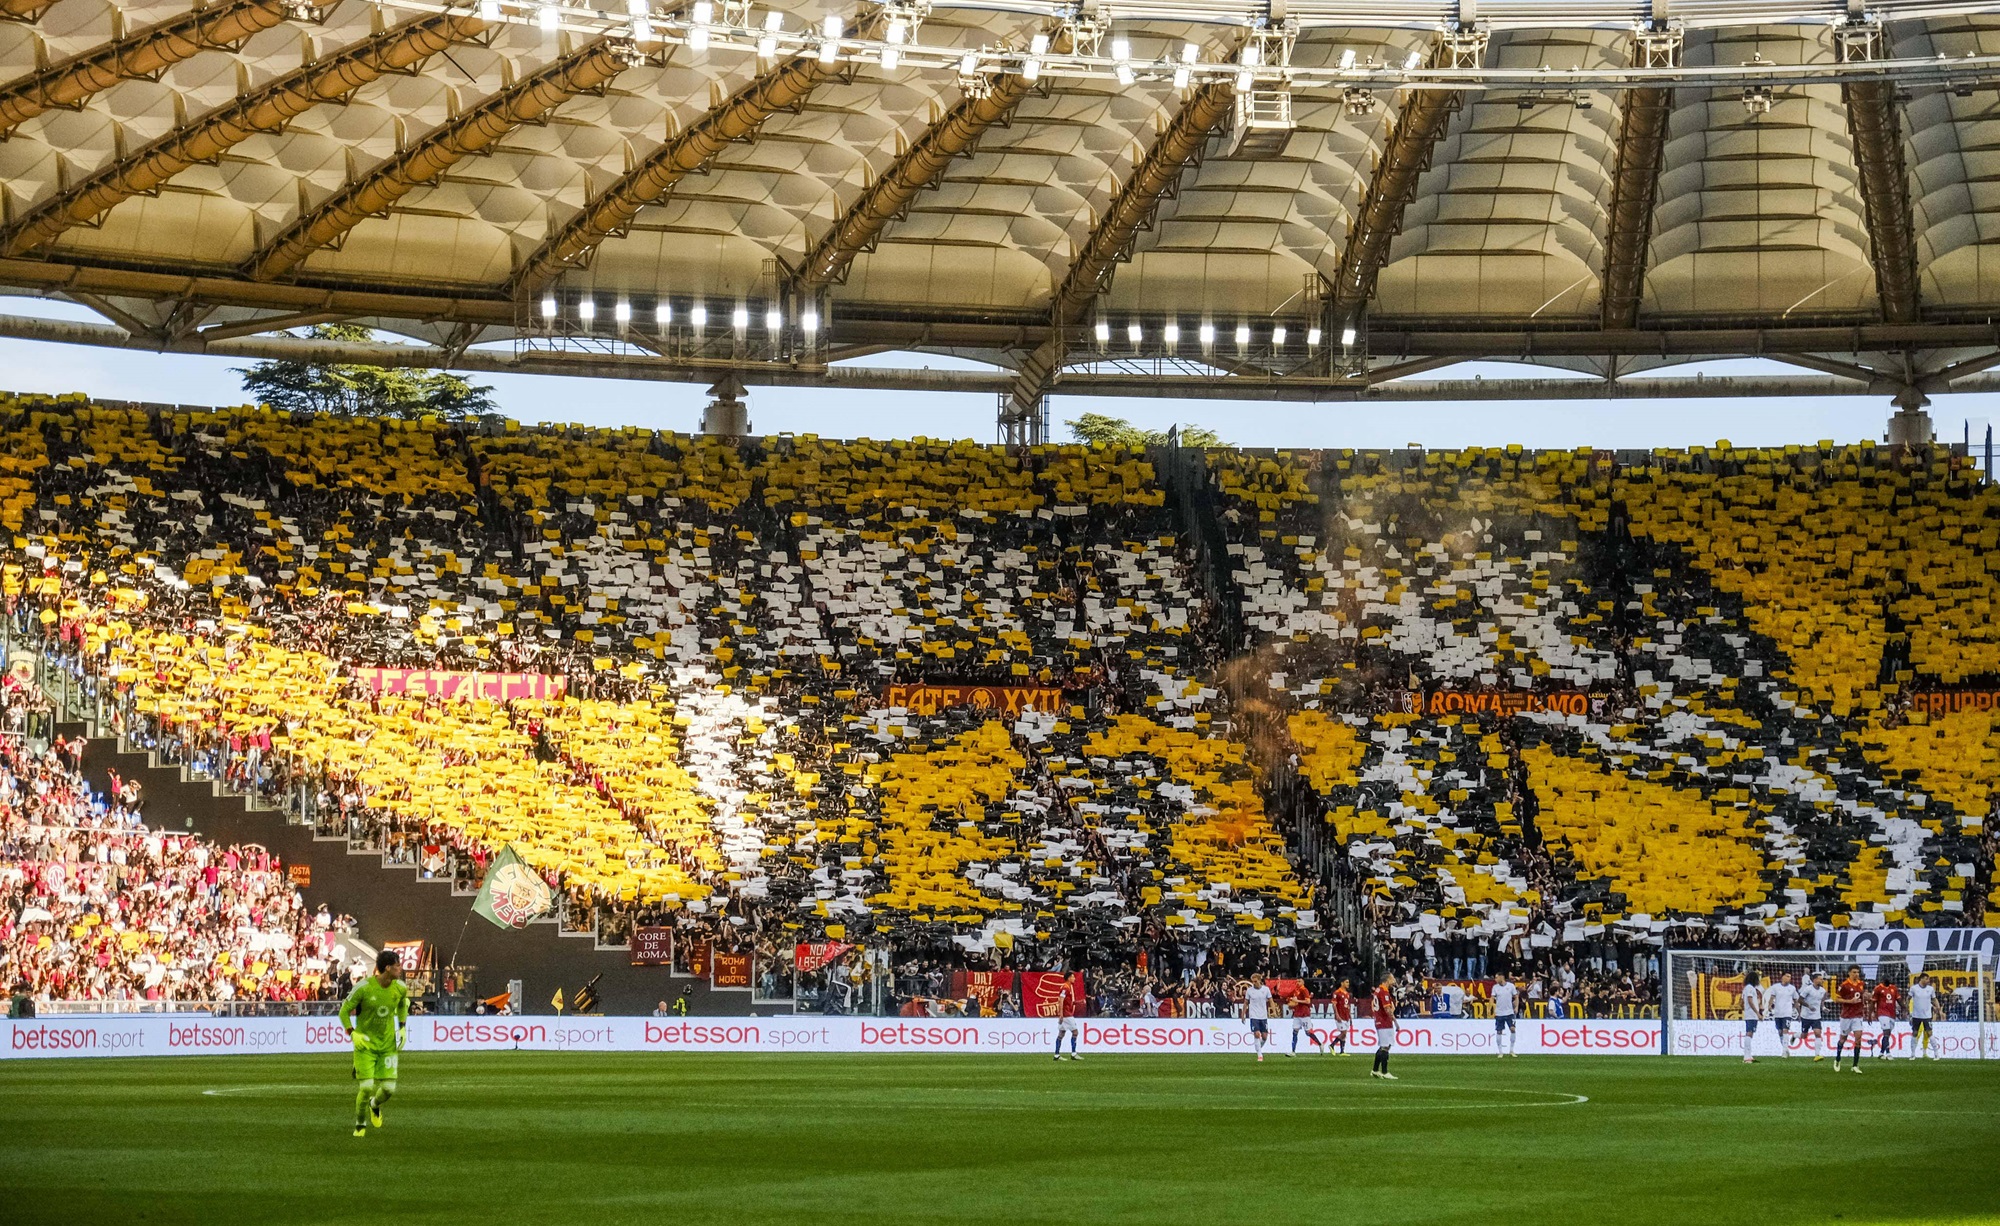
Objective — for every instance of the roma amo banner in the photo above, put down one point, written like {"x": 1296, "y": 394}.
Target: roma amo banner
{"x": 440, "y": 683}
{"x": 1498, "y": 702}
{"x": 1001, "y": 699}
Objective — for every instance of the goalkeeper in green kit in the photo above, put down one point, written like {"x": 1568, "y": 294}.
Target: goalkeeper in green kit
{"x": 376, "y": 1015}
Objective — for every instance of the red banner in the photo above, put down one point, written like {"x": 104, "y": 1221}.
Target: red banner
{"x": 983, "y": 986}
{"x": 1500, "y": 702}
{"x": 731, "y": 971}
{"x": 652, "y": 946}
{"x": 697, "y": 958}
{"x": 811, "y": 957}
{"x": 1004, "y": 699}
{"x": 409, "y": 953}
{"x": 439, "y": 683}
{"x": 1041, "y": 993}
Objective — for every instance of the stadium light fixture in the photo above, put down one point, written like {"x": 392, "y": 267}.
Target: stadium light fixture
{"x": 1242, "y": 335}
{"x": 697, "y": 35}
{"x": 968, "y": 64}
{"x": 1121, "y": 55}
{"x": 891, "y": 57}
{"x": 489, "y": 10}
{"x": 1102, "y": 331}
{"x": 767, "y": 43}
{"x": 1184, "y": 73}
{"x": 551, "y": 18}
{"x": 1414, "y": 62}
{"x": 642, "y": 30}
{"x": 1171, "y": 334}
{"x": 663, "y": 314}
{"x": 548, "y": 306}
{"x": 586, "y": 309}
{"x": 1135, "y": 333}
{"x": 1347, "y": 335}
{"x": 698, "y": 318}
{"x": 1347, "y": 59}
{"x": 1312, "y": 337}
{"x": 622, "y": 312}
{"x": 1207, "y": 333}
{"x": 809, "y": 321}
{"x": 1031, "y": 69}
{"x": 829, "y": 35}
{"x": 1278, "y": 334}
{"x": 739, "y": 319}
{"x": 774, "y": 321}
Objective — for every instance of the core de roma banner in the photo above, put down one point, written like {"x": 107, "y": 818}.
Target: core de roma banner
{"x": 1041, "y": 992}
{"x": 1501, "y": 702}
{"x": 156, "y": 1035}
{"x": 439, "y": 683}
{"x": 1004, "y": 699}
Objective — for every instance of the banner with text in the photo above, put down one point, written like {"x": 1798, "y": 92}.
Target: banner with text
{"x": 1499, "y": 702}
{"x": 439, "y": 683}
{"x": 1944, "y": 702}
{"x": 1914, "y": 942}
{"x": 1001, "y": 699}
{"x": 155, "y": 1035}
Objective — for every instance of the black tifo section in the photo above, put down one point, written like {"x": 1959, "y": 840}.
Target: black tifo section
{"x": 392, "y": 904}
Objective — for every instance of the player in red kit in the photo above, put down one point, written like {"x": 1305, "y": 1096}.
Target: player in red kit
{"x": 1852, "y": 997}
{"x": 1343, "y": 1016}
{"x": 1066, "y": 1019}
{"x": 1382, "y": 1002}
{"x": 1300, "y": 1002}
{"x": 1888, "y": 1007}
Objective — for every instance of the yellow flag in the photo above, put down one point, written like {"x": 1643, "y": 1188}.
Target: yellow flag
{"x": 559, "y": 1000}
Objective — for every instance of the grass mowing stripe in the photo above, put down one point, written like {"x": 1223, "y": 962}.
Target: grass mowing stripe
{"x": 1014, "y": 1139}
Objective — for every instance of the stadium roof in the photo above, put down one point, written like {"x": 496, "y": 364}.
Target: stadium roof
{"x": 1292, "y": 199}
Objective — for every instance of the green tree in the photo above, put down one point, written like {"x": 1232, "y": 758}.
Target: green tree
{"x": 352, "y": 390}
{"x": 1118, "y": 432}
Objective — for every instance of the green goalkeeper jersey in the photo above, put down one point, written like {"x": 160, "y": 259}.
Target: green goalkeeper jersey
{"x": 374, "y": 1013}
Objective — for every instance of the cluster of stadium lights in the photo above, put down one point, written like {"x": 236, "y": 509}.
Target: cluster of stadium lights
{"x": 697, "y": 319}
{"x": 1277, "y": 336}
{"x": 1085, "y": 52}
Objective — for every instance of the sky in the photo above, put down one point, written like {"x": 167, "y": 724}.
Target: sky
{"x": 112, "y": 374}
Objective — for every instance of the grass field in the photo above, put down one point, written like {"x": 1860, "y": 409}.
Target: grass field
{"x": 528, "y": 1137}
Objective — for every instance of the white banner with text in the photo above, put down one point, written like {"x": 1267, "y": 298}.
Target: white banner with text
{"x": 205, "y": 1036}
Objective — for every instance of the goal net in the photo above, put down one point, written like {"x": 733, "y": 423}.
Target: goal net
{"x": 1702, "y": 1003}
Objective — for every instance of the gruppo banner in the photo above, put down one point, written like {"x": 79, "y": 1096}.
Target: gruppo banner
{"x": 440, "y": 683}
{"x": 157, "y": 1035}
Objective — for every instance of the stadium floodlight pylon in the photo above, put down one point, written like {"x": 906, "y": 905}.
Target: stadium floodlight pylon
{"x": 1701, "y": 998}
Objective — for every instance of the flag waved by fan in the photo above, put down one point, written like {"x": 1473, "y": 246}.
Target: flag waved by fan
{"x": 513, "y": 894}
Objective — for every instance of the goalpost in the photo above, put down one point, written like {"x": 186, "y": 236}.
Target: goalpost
{"x": 1701, "y": 1001}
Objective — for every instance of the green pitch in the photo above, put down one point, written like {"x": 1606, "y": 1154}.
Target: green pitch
{"x": 535, "y": 1137}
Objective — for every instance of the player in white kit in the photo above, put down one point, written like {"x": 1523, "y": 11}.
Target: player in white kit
{"x": 1781, "y": 1005}
{"x": 1812, "y": 1004}
{"x": 1506, "y": 1005}
{"x": 1257, "y": 1008}
{"x": 1753, "y": 1012}
{"x": 1923, "y": 1010}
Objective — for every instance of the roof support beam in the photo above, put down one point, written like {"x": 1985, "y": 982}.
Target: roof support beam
{"x": 24, "y": 10}
{"x": 737, "y": 119}
{"x": 1635, "y": 183}
{"x": 1873, "y": 123}
{"x": 1110, "y": 242}
{"x": 920, "y": 166}
{"x": 267, "y": 108}
{"x": 1406, "y": 154}
{"x": 219, "y": 26}
{"x": 587, "y": 68}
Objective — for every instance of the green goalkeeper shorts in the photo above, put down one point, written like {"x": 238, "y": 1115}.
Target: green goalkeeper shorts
{"x": 372, "y": 1065}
